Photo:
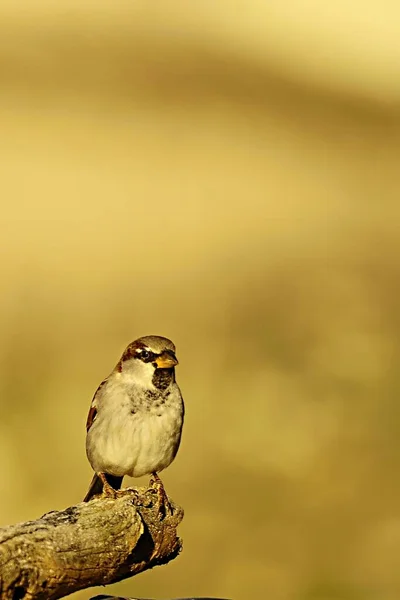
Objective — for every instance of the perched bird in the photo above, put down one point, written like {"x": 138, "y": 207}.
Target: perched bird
{"x": 135, "y": 420}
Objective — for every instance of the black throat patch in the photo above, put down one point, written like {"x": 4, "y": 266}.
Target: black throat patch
{"x": 163, "y": 378}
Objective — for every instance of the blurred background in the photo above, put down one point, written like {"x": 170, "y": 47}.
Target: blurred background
{"x": 226, "y": 175}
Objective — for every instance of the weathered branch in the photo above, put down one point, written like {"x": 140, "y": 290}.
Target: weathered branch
{"x": 94, "y": 543}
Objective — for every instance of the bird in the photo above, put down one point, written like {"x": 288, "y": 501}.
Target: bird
{"x": 135, "y": 420}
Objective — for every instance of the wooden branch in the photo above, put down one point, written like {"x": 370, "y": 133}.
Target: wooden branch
{"x": 94, "y": 543}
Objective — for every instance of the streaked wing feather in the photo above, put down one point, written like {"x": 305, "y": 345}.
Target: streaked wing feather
{"x": 93, "y": 407}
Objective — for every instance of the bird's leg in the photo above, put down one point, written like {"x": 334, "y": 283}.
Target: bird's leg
{"x": 162, "y": 498}
{"x": 108, "y": 490}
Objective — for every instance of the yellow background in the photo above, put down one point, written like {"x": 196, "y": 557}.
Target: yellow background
{"x": 225, "y": 174}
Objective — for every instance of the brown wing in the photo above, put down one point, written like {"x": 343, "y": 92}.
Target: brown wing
{"x": 91, "y": 416}
{"x": 93, "y": 407}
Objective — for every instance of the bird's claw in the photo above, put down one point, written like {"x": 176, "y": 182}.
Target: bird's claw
{"x": 163, "y": 504}
{"x": 109, "y": 491}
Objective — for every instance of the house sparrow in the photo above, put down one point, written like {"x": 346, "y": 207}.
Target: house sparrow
{"x": 135, "y": 420}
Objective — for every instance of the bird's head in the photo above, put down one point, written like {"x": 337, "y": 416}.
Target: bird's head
{"x": 148, "y": 360}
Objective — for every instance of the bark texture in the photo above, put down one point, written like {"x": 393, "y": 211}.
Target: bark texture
{"x": 94, "y": 543}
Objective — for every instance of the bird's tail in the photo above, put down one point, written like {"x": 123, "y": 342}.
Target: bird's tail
{"x": 96, "y": 485}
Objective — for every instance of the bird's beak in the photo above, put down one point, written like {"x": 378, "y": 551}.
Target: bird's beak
{"x": 166, "y": 360}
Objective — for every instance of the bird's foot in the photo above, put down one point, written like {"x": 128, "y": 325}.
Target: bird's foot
{"x": 108, "y": 490}
{"x": 164, "y": 507}
{"x": 132, "y": 492}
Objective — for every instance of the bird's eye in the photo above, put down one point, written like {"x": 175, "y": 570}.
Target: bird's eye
{"x": 144, "y": 354}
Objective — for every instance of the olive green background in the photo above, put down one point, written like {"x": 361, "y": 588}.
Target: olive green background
{"x": 227, "y": 175}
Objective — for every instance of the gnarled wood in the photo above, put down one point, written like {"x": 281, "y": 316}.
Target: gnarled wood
{"x": 94, "y": 543}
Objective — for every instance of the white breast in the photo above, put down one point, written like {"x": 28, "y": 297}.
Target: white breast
{"x": 123, "y": 442}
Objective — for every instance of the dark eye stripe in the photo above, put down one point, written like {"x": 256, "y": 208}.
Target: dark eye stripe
{"x": 146, "y": 356}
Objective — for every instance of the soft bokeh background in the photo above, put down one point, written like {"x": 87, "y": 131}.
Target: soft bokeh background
{"x": 225, "y": 174}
